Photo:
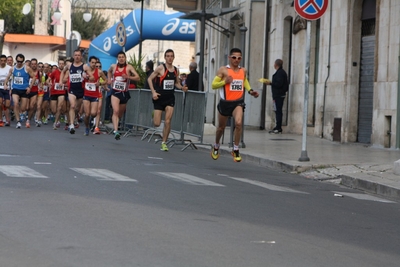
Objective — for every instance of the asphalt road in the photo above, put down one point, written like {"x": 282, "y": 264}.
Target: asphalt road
{"x": 71, "y": 200}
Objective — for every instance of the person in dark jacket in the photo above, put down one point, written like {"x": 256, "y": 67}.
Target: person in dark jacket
{"x": 149, "y": 70}
{"x": 192, "y": 80}
{"x": 279, "y": 87}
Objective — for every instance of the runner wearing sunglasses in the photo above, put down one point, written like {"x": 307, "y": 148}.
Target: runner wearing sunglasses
{"x": 231, "y": 81}
{"x": 23, "y": 80}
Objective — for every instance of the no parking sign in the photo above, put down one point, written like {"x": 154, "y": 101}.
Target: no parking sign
{"x": 310, "y": 9}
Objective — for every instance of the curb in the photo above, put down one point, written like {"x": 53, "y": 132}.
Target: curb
{"x": 263, "y": 162}
{"x": 373, "y": 187}
{"x": 359, "y": 182}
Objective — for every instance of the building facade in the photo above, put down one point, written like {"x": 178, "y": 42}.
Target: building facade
{"x": 354, "y": 65}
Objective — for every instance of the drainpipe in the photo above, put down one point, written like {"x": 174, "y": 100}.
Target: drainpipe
{"x": 329, "y": 70}
{"x": 265, "y": 70}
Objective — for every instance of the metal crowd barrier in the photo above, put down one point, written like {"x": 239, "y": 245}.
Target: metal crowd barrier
{"x": 188, "y": 117}
{"x": 104, "y": 106}
{"x": 131, "y": 113}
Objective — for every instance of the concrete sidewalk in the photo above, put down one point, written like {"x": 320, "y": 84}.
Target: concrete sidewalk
{"x": 356, "y": 165}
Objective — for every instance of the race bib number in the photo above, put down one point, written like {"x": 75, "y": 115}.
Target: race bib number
{"x": 36, "y": 82}
{"x": 169, "y": 85}
{"x": 2, "y": 82}
{"x": 119, "y": 86}
{"x": 45, "y": 88}
{"x": 90, "y": 87}
{"x": 236, "y": 85}
{"x": 75, "y": 78}
{"x": 58, "y": 86}
{"x": 18, "y": 80}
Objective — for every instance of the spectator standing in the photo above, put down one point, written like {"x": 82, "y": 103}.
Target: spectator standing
{"x": 192, "y": 80}
{"x": 279, "y": 87}
{"x": 149, "y": 71}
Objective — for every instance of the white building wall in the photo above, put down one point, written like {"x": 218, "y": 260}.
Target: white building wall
{"x": 387, "y": 74}
{"x": 335, "y": 72}
{"x": 39, "y": 51}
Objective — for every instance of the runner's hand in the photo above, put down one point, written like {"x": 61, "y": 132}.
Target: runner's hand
{"x": 156, "y": 96}
{"x": 254, "y": 93}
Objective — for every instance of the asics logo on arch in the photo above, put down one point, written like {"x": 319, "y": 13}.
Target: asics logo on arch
{"x": 172, "y": 26}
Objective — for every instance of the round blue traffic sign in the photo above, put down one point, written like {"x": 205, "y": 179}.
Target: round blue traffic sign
{"x": 310, "y": 9}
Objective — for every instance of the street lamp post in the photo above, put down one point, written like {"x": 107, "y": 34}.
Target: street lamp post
{"x": 141, "y": 28}
{"x": 72, "y": 44}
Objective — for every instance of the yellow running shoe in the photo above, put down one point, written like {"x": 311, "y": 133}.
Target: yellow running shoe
{"x": 214, "y": 153}
{"x": 164, "y": 147}
{"x": 236, "y": 156}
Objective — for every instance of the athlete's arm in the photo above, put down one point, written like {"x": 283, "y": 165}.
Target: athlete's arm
{"x": 89, "y": 72}
{"x": 177, "y": 81}
{"x": 8, "y": 78}
{"x": 248, "y": 87}
{"x": 66, "y": 68}
{"x": 32, "y": 74}
{"x": 49, "y": 80}
{"x": 152, "y": 76}
{"x": 221, "y": 79}
{"x": 110, "y": 74}
{"x": 135, "y": 76}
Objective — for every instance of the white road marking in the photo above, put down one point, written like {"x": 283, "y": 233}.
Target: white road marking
{"x": 187, "y": 178}
{"x": 263, "y": 242}
{"x": 42, "y": 163}
{"x": 155, "y": 158}
{"x": 20, "y": 171}
{"x": 103, "y": 175}
{"x": 364, "y": 197}
{"x": 269, "y": 186}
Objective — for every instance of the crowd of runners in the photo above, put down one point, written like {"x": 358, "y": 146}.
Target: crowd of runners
{"x": 33, "y": 92}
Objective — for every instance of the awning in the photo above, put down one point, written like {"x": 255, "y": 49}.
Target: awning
{"x": 210, "y": 13}
{"x": 33, "y": 39}
{"x": 182, "y": 5}
{"x": 58, "y": 41}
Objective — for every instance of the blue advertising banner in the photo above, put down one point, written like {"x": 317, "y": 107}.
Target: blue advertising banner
{"x": 157, "y": 25}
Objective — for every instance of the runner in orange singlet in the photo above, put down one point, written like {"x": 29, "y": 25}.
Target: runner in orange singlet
{"x": 231, "y": 80}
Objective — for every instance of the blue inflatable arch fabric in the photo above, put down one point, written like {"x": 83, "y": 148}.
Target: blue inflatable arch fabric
{"x": 157, "y": 25}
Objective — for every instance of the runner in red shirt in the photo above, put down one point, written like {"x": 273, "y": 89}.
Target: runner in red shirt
{"x": 32, "y": 96}
{"x": 119, "y": 77}
{"x": 91, "y": 92}
{"x": 57, "y": 93}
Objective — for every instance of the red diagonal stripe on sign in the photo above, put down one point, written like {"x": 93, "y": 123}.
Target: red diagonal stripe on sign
{"x": 311, "y": 3}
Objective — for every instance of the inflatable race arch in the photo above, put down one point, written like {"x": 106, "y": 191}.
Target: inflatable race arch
{"x": 157, "y": 25}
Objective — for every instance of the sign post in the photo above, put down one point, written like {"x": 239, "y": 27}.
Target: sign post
{"x": 309, "y": 10}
